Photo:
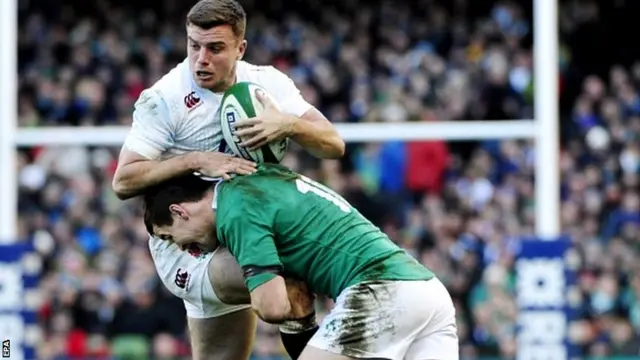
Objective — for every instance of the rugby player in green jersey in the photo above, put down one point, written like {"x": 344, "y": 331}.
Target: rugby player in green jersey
{"x": 278, "y": 223}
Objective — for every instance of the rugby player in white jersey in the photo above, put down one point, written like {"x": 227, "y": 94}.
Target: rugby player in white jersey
{"x": 176, "y": 131}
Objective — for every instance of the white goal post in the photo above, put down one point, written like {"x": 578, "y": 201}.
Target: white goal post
{"x": 8, "y": 119}
{"x": 358, "y": 132}
{"x": 544, "y": 129}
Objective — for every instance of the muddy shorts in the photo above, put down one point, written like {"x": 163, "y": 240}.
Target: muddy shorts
{"x": 412, "y": 320}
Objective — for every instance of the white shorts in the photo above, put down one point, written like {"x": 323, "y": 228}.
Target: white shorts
{"x": 186, "y": 276}
{"x": 412, "y": 320}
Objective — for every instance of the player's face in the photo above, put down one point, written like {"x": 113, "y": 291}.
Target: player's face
{"x": 212, "y": 56}
{"x": 191, "y": 226}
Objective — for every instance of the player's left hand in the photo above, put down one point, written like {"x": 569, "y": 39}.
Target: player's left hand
{"x": 271, "y": 125}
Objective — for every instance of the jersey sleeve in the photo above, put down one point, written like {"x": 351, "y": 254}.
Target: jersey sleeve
{"x": 247, "y": 232}
{"x": 152, "y": 131}
{"x": 287, "y": 93}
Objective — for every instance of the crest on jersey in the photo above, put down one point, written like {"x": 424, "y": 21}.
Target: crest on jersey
{"x": 195, "y": 251}
{"x": 192, "y": 100}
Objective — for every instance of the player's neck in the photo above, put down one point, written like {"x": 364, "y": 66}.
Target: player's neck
{"x": 219, "y": 90}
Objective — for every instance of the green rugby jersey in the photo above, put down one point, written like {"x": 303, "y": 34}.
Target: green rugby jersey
{"x": 276, "y": 217}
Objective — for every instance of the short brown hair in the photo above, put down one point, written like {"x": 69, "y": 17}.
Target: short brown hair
{"x": 158, "y": 198}
{"x": 207, "y": 14}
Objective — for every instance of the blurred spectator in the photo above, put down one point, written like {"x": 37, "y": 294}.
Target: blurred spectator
{"x": 459, "y": 208}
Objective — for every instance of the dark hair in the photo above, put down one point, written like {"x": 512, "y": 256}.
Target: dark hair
{"x": 207, "y": 14}
{"x": 156, "y": 200}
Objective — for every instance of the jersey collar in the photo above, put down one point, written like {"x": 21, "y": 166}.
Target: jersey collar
{"x": 214, "y": 202}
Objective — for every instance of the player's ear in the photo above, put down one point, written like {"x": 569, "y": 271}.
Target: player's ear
{"x": 241, "y": 49}
{"x": 179, "y": 211}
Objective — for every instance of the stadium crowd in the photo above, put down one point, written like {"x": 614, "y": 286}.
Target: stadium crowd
{"x": 459, "y": 208}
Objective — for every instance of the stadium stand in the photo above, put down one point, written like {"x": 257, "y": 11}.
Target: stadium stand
{"x": 460, "y": 208}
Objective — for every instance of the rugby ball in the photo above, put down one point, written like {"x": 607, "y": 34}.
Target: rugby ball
{"x": 238, "y": 103}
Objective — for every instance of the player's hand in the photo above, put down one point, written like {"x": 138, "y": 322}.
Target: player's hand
{"x": 219, "y": 165}
{"x": 301, "y": 299}
{"x": 271, "y": 125}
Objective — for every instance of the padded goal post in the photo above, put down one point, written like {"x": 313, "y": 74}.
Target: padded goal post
{"x": 19, "y": 300}
{"x": 545, "y": 280}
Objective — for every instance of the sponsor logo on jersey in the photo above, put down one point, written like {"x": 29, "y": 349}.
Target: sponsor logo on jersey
{"x": 192, "y": 100}
{"x": 182, "y": 279}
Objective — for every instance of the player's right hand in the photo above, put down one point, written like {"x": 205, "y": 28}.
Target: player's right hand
{"x": 300, "y": 298}
{"x": 220, "y": 165}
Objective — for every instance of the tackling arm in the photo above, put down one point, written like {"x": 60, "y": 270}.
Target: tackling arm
{"x": 135, "y": 173}
{"x": 279, "y": 300}
{"x": 245, "y": 227}
{"x": 228, "y": 282}
{"x": 151, "y": 134}
{"x": 246, "y": 230}
{"x": 270, "y": 301}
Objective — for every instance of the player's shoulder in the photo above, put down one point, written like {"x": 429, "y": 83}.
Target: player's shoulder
{"x": 228, "y": 198}
{"x": 263, "y": 75}
{"x": 239, "y": 195}
{"x": 173, "y": 92}
{"x": 258, "y": 189}
{"x": 150, "y": 101}
{"x": 246, "y": 69}
{"x": 175, "y": 81}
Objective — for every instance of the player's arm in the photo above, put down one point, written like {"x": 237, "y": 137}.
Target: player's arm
{"x": 296, "y": 119}
{"x": 310, "y": 128}
{"x": 151, "y": 134}
{"x": 135, "y": 173}
{"x": 270, "y": 301}
{"x": 227, "y": 280}
{"x": 317, "y": 135}
{"x": 263, "y": 272}
{"x": 248, "y": 234}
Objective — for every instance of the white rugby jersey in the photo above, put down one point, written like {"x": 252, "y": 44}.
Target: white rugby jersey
{"x": 175, "y": 116}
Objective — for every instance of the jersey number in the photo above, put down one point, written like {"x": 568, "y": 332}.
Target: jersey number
{"x": 305, "y": 185}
